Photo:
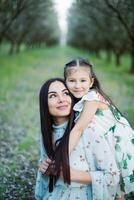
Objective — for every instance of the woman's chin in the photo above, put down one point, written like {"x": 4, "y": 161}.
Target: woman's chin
{"x": 63, "y": 113}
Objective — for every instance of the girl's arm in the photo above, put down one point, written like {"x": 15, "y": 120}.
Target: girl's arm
{"x": 89, "y": 110}
{"x": 76, "y": 175}
{"x": 106, "y": 176}
{"x": 84, "y": 178}
{"x": 80, "y": 176}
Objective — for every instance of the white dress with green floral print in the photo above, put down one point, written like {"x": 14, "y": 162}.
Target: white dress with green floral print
{"x": 119, "y": 135}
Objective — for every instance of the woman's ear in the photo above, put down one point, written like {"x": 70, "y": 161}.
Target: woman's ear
{"x": 92, "y": 82}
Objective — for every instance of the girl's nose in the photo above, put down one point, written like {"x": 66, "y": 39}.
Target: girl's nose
{"x": 77, "y": 85}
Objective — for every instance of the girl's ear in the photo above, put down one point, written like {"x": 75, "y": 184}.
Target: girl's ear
{"x": 92, "y": 82}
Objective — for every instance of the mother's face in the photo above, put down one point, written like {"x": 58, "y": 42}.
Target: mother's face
{"x": 59, "y": 100}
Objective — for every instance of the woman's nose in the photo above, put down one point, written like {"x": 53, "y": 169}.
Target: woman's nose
{"x": 60, "y": 98}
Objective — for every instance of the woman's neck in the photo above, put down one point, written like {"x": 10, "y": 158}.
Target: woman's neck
{"x": 60, "y": 120}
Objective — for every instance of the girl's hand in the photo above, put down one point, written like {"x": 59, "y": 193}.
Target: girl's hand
{"x": 44, "y": 165}
{"x": 80, "y": 176}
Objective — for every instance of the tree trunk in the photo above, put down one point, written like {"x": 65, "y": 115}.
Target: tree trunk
{"x": 17, "y": 50}
{"x": 0, "y": 43}
{"x": 97, "y": 53}
{"x": 132, "y": 60}
{"x": 117, "y": 58}
{"x": 109, "y": 56}
{"x": 11, "y": 50}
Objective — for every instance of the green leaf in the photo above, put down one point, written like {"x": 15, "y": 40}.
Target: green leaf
{"x": 132, "y": 141}
{"x": 124, "y": 164}
{"x": 112, "y": 128}
{"x": 117, "y": 147}
{"x": 99, "y": 113}
{"x": 132, "y": 178}
{"x": 115, "y": 112}
{"x": 122, "y": 184}
{"x": 129, "y": 156}
{"x": 118, "y": 138}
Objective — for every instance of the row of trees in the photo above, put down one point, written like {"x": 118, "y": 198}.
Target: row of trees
{"x": 31, "y": 22}
{"x": 103, "y": 24}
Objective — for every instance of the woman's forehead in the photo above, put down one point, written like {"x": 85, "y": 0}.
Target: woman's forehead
{"x": 57, "y": 86}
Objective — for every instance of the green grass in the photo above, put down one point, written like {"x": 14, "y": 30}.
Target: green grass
{"x": 21, "y": 77}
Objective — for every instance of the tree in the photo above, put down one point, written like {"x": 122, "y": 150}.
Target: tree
{"x": 36, "y": 23}
{"x": 95, "y": 26}
{"x": 124, "y": 11}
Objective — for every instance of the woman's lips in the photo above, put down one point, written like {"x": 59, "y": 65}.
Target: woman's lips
{"x": 63, "y": 107}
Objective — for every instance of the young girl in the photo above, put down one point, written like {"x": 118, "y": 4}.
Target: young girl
{"x": 96, "y": 111}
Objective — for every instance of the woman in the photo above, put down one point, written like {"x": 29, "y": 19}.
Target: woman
{"x": 89, "y": 172}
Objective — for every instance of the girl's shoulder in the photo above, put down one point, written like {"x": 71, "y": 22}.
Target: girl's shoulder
{"x": 94, "y": 95}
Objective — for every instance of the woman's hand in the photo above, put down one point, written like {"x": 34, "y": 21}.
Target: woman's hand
{"x": 44, "y": 165}
{"x": 119, "y": 198}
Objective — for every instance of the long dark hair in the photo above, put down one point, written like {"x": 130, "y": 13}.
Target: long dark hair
{"x": 60, "y": 155}
{"x": 80, "y": 62}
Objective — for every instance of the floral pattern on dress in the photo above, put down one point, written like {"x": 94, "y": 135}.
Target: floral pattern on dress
{"x": 115, "y": 128}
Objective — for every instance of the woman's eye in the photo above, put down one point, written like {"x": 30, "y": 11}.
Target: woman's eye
{"x": 66, "y": 93}
{"x": 52, "y": 96}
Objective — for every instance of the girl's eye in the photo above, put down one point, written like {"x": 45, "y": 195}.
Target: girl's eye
{"x": 83, "y": 80}
{"x": 71, "y": 80}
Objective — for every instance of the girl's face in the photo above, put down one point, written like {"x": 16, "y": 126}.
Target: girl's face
{"x": 59, "y": 101}
{"x": 79, "y": 81}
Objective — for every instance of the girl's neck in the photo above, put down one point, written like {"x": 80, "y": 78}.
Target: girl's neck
{"x": 76, "y": 99}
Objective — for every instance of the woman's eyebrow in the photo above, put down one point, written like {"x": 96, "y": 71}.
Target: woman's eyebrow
{"x": 65, "y": 90}
{"x": 52, "y": 92}
{"x": 56, "y": 92}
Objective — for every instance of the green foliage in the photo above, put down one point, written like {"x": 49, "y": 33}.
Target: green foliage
{"x": 26, "y": 143}
{"x": 31, "y": 22}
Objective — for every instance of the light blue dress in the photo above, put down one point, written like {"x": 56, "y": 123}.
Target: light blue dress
{"x": 92, "y": 154}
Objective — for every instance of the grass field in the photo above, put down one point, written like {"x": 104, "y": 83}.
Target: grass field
{"x": 21, "y": 77}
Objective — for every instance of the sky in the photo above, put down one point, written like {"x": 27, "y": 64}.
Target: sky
{"x": 62, "y": 7}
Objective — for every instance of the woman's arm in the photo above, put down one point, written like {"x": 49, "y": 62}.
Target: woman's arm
{"x": 41, "y": 180}
{"x": 89, "y": 110}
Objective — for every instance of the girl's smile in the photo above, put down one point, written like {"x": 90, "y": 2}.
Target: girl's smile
{"x": 79, "y": 81}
